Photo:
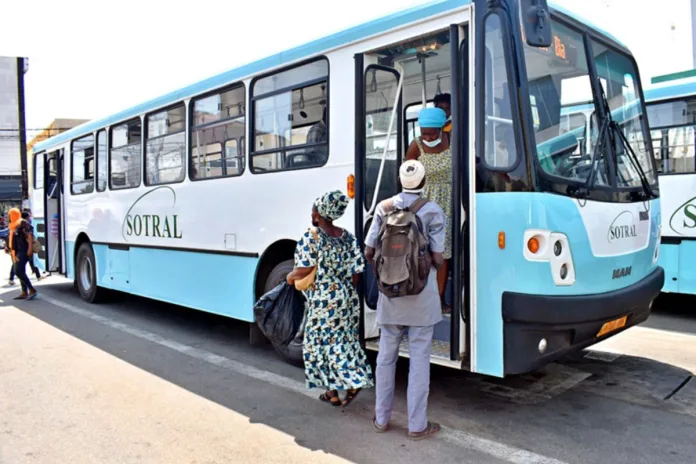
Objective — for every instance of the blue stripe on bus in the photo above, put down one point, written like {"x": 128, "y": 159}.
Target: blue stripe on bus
{"x": 669, "y": 260}
{"x": 680, "y": 272}
{"x": 669, "y": 92}
{"x": 316, "y": 47}
{"x": 215, "y": 283}
{"x": 504, "y": 270}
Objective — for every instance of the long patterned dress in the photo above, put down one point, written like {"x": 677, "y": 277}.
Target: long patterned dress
{"x": 333, "y": 357}
{"x": 438, "y": 187}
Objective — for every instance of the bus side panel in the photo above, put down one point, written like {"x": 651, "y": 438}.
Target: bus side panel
{"x": 669, "y": 260}
{"x": 687, "y": 270}
{"x": 216, "y": 283}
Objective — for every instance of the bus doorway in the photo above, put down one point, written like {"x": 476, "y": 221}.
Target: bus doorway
{"x": 391, "y": 84}
{"x": 53, "y": 254}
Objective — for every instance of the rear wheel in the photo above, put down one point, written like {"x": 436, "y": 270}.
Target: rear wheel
{"x": 86, "y": 274}
{"x": 292, "y": 352}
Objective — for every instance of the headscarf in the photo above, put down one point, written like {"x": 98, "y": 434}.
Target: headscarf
{"x": 332, "y": 205}
{"x": 432, "y": 118}
{"x": 15, "y": 221}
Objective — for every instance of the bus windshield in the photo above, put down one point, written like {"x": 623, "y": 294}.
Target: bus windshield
{"x": 560, "y": 88}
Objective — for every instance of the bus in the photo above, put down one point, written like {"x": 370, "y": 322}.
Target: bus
{"x": 198, "y": 197}
{"x": 672, "y": 118}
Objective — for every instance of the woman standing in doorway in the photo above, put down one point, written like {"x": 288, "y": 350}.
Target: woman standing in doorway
{"x": 433, "y": 150}
{"x": 333, "y": 357}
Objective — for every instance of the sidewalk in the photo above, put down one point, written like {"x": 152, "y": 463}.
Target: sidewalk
{"x": 65, "y": 401}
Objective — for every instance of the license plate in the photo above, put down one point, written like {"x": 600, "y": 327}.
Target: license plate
{"x": 612, "y": 325}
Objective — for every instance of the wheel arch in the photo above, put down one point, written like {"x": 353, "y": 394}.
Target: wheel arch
{"x": 277, "y": 252}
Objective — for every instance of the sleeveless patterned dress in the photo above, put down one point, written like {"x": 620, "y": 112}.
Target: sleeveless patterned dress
{"x": 438, "y": 186}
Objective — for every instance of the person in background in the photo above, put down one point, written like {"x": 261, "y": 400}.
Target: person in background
{"x": 333, "y": 357}
{"x": 414, "y": 316}
{"x": 20, "y": 246}
{"x": 26, "y": 215}
{"x": 444, "y": 102}
{"x": 433, "y": 150}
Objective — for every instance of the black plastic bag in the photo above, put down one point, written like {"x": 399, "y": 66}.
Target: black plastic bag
{"x": 279, "y": 313}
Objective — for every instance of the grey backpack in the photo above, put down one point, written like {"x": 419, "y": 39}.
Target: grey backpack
{"x": 402, "y": 256}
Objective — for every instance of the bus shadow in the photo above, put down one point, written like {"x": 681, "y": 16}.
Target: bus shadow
{"x": 674, "y": 312}
{"x": 458, "y": 399}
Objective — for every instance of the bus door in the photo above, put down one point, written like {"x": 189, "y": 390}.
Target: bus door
{"x": 53, "y": 253}
{"x": 387, "y": 82}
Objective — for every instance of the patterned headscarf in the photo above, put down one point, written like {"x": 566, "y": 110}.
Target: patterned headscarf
{"x": 332, "y": 205}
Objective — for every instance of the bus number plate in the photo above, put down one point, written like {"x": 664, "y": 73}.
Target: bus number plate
{"x": 612, "y": 325}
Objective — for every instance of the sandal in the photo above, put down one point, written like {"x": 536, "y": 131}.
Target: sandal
{"x": 330, "y": 397}
{"x": 350, "y": 396}
{"x": 380, "y": 428}
{"x": 23, "y": 296}
{"x": 431, "y": 429}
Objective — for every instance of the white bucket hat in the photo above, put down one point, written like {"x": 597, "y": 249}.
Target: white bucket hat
{"x": 411, "y": 174}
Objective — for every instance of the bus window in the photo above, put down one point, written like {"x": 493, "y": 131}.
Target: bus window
{"x": 166, "y": 146}
{"x": 380, "y": 95}
{"x": 126, "y": 155}
{"x": 673, "y": 135}
{"x": 39, "y": 171}
{"x": 291, "y": 119}
{"x": 102, "y": 166}
{"x": 500, "y": 151}
{"x": 216, "y": 119}
{"x": 82, "y": 163}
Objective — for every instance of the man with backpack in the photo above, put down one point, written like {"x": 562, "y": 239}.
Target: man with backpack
{"x": 404, "y": 246}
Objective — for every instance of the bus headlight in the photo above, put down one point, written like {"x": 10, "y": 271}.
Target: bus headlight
{"x": 551, "y": 247}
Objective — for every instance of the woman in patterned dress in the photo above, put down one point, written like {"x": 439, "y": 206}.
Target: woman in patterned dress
{"x": 433, "y": 150}
{"x": 333, "y": 357}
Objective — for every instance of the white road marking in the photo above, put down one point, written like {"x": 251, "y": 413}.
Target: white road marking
{"x": 457, "y": 437}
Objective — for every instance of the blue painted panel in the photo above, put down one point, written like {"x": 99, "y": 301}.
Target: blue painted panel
{"x": 220, "y": 284}
{"x": 687, "y": 270}
{"x": 669, "y": 260}
{"x": 70, "y": 259}
{"x": 507, "y": 270}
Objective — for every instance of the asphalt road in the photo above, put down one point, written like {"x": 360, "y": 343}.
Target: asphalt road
{"x": 138, "y": 381}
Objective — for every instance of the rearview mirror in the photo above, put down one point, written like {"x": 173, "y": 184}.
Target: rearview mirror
{"x": 536, "y": 22}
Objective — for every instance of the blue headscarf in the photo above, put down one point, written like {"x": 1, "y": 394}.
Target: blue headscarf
{"x": 432, "y": 118}
{"x": 332, "y": 205}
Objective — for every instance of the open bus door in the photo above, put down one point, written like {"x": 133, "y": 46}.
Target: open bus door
{"x": 379, "y": 136}
{"x": 53, "y": 253}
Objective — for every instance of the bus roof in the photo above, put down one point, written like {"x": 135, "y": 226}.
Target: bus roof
{"x": 299, "y": 53}
{"x": 668, "y": 92}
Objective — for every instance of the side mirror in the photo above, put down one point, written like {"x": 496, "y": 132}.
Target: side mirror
{"x": 536, "y": 22}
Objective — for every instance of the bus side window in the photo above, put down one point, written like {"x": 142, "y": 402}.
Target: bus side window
{"x": 290, "y": 118}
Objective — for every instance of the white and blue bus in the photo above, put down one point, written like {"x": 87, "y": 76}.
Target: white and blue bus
{"x": 197, "y": 197}
{"x": 672, "y": 117}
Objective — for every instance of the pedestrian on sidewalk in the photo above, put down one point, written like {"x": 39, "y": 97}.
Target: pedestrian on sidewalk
{"x": 20, "y": 246}
{"x": 333, "y": 357}
{"x": 26, "y": 215}
{"x": 412, "y": 315}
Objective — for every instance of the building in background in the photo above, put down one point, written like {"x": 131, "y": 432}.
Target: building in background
{"x": 12, "y": 132}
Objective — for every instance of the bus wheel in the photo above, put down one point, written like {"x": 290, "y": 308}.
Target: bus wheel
{"x": 86, "y": 274}
{"x": 292, "y": 352}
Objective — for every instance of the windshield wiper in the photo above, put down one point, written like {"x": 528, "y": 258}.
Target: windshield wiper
{"x": 582, "y": 192}
{"x": 609, "y": 123}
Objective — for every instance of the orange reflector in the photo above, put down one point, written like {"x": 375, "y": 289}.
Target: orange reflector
{"x": 501, "y": 240}
{"x": 350, "y": 186}
{"x": 533, "y": 245}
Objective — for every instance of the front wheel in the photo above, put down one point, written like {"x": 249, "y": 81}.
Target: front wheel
{"x": 86, "y": 274}
{"x": 292, "y": 352}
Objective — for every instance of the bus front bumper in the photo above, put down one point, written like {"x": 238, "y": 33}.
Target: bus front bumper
{"x": 563, "y": 324}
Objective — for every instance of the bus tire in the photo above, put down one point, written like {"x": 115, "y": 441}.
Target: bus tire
{"x": 292, "y": 352}
{"x": 86, "y": 274}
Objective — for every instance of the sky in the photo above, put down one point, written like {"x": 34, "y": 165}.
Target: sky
{"x": 88, "y": 61}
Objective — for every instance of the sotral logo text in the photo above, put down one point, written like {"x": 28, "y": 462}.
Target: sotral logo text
{"x": 621, "y": 272}
{"x": 622, "y": 227}
{"x": 683, "y": 220}
{"x": 139, "y": 223}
